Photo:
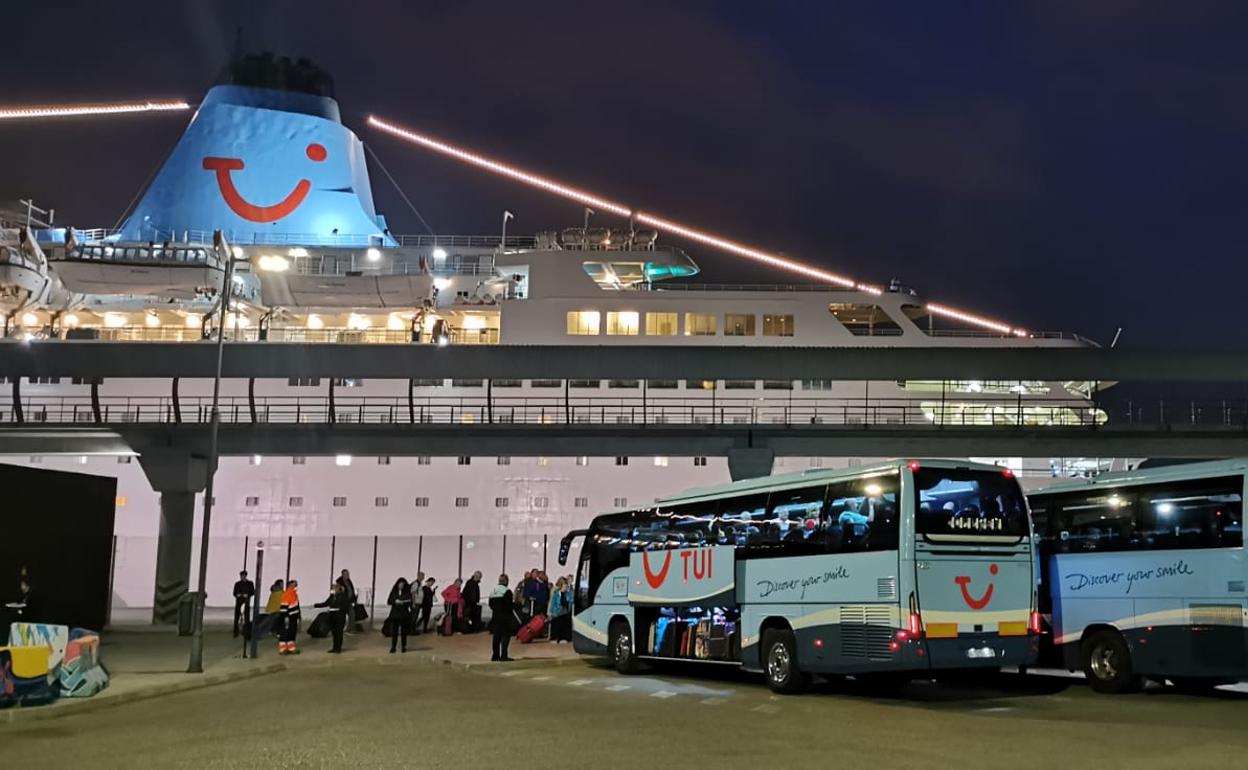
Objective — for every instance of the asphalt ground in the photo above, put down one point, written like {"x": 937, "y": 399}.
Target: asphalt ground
{"x": 398, "y": 711}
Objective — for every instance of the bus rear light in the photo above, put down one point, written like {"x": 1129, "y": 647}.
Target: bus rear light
{"x": 818, "y": 644}
{"x": 914, "y": 465}
{"x": 1009, "y": 474}
{"x": 916, "y": 625}
{"x": 894, "y": 646}
{"x": 1035, "y": 622}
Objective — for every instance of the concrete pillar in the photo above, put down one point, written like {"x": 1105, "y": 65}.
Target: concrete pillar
{"x": 750, "y": 462}
{"x": 177, "y": 477}
{"x": 173, "y": 554}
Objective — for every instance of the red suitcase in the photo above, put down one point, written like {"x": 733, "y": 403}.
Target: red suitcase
{"x": 531, "y": 630}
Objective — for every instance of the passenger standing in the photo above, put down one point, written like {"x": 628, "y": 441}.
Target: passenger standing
{"x": 522, "y": 597}
{"x": 454, "y": 604}
{"x": 400, "y": 602}
{"x": 472, "y": 602}
{"x": 539, "y": 592}
{"x": 561, "y": 612}
{"x": 274, "y": 604}
{"x": 348, "y": 587}
{"x": 426, "y": 604}
{"x": 290, "y": 620}
{"x": 503, "y": 622}
{"x": 244, "y": 590}
{"x": 338, "y": 608}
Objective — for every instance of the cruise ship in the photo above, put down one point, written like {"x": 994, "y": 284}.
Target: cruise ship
{"x": 266, "y": 199}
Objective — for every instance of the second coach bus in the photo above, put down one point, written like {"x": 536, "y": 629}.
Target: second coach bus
{"x": 1143, "y": 576}
{"x": 895, "y": 570}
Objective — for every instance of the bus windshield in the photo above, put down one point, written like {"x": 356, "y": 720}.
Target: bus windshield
{"x": 961, "y": 502}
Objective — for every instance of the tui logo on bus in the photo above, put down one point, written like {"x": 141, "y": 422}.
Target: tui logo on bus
{"x": 655, "y": 579}
{"x": 964, "y": 582}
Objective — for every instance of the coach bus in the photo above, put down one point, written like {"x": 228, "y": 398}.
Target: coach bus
{"x": 1142, "y": 575}
{"x": 891, "y": 572}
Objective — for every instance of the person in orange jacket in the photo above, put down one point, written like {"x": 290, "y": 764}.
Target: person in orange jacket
{"x": 290, "y": 620}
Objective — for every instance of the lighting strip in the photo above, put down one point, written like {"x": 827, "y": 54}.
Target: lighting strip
{"x": 589, "y": 199}
{"x": 73, "y": 110}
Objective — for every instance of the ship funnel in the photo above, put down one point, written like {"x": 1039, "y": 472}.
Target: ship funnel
{"x": 264, "y": 166}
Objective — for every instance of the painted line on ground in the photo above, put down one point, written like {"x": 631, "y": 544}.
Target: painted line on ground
{"x": 579, "y": 682}
{"x": 663, "y": 694}
{"x": 766, "y": 708}
{"x": 619, "y": 687}
{"x": 713, "y": 701}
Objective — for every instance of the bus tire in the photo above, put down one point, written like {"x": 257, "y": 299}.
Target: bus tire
{"x": 620, "y": 639}
{"x": 780, "y": 663}
{"x": 1107, "y": 663}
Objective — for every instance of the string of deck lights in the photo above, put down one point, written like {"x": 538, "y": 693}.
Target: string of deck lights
{"x": 72, "y": 110}
{"x": 594, "y": 201}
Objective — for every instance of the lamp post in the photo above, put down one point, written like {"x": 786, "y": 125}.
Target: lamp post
{"x": 196, "y": 665}
{"x": 268, "y": 263}
{"x": 585, "y": 228}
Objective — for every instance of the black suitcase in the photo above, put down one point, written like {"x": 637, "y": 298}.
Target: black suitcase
{"x": 360, "y": 613}
{"x": 320, "y": 626}
{"x": 387, "y": 628}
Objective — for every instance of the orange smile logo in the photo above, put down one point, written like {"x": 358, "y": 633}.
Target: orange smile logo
{"x": 655, "y": 579}
{"x": 248, "y": 210}
{"x": 964, "y": 581}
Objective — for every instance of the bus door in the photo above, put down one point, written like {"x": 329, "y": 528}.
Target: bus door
{"x": 973, "y": 568}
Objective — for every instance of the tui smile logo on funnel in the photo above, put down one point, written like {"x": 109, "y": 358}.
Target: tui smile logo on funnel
{"x": 252, "y": 212}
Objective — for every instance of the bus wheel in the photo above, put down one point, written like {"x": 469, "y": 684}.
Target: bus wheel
{"x": 1107, "y": 663}
{"x": 780, "y": 663}
{"x": 1198, "y": 685}
{"x": 621, "y": 644}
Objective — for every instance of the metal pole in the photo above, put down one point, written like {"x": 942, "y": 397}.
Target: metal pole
{"x": 255, "y": 611}
{"x": 197, "y": 634}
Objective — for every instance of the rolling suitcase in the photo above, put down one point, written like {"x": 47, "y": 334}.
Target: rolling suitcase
{"x": 446, "y": 626}
{"x": 320, "y": 626}
{"x": 531, "y": 630}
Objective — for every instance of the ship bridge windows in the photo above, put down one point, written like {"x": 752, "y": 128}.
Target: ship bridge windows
{"x": 583, "y": 322}
{"x": 864, "y": 320}
{"x": 623, "y": 322}
{"x": 661, "y": 324}
{"x": 739, "y": 324}
{"x": 777, "y": 326}
{"x": 699, "y": 324}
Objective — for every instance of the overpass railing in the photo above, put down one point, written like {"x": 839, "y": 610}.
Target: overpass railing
{"x": 555, "y": 410}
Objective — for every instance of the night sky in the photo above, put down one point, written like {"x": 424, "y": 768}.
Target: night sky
{"x": 1058, "y": 165}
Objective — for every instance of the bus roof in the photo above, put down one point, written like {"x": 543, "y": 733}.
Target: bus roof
{"x": 813, "y": 476}
{"x": 1205, "y": 469}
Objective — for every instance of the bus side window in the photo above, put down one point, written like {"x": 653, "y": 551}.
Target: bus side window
{"x": 796, "y": 516}
{"x": 745, "y": 518}
{"x": 862, "y": 514}
{"x": 1198, "y": 513}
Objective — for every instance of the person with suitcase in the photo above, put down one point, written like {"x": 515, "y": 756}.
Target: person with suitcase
{"x": 502, "y": 620}
{"x": 337, "y": 608}
{"x": 472, "y": 603}
{"x": 400, "y": 618}
{"x": 454, "y": 600}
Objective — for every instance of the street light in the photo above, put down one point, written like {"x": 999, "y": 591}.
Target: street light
{"x": 223, "y": 250}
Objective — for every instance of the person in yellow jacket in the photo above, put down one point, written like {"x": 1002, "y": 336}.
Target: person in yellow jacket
{"x": 290, "y": 620}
